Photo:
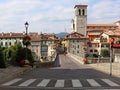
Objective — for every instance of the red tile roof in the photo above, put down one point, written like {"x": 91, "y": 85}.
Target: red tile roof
{"x": 34, "y": 36}
{"x": 109, "y": 32}
{"x": 117, "y": 32}
{"x": 95, "y": 30}
{"x": 11, "y": 35}
{"x": 80, "y": 5}
{"x": 47, "y": 36}
{"x": 94, "y": 33}
{"x": 102, "y": 25}
{"x": 74, "y": 35}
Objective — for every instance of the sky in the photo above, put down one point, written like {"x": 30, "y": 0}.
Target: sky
{"x": 53, "y": 16}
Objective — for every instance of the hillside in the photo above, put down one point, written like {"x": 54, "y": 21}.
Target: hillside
{"x": 62, "y": 34}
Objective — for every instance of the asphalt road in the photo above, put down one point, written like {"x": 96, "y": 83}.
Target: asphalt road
{"x": 67, "y": 74}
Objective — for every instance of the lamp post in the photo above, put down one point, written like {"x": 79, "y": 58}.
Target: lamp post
{"x": 26, "y": 27}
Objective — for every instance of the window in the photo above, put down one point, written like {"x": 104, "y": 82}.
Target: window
{"x": 44, "y": 42}
{"x": 1, "y": 43}
{"x": 79, "y": 12}
{"x": 6, "y": 44}
{"x": 10, "y": 43}
{"x": 91, "y": 50}
{"x": 107, "y": 45}
{"x": 90, "y": 45}
{"x": 98, "y": 45}
{"x": 102, "y": 45}
{"x": 73, "y": 41}
{"x": 95, "y": 50}
{"x": 83, "y": 12}
{"x": 44, "y": 50}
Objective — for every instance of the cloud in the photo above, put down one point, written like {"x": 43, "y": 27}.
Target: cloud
{"x": 16, "y": 12}
{"x": 52, "y": 15}
{"x": 104, "y": 11}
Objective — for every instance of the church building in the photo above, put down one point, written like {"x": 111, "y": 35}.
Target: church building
{"x": 91, "y": 38}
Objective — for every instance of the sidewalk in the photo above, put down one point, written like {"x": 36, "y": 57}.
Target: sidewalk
{"x": 105, "y": 67}
{"x": 11, "y": 72}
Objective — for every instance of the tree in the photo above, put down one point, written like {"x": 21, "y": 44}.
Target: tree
{"x": 20, "y": 54}
{"x": 2, "y": 60}
{"x": 105, "y": 52}
{"x": 11, "y": 52}
{"x": 14, "y": 54}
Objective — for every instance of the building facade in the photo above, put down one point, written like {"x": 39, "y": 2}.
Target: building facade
{"x": 8, "y": 39}
{"x": 79, "y": 22}
{"x": 76, "y": 41}
{"x": 42, "y": 45}
{"x": 97, "y": 35}
{"x": 76, "y": 44}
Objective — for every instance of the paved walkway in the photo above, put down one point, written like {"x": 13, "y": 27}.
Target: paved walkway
{"x": 105, "y": 67}
{"x": 11, "y": 72}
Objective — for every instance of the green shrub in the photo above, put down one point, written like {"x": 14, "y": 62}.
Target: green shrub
{"x": 2, "y": 61}
{"x": 95, "y": 55}
{"x": 14, "y": 54}
{"x": 92, "y": 56}
{"x": 105, "y": 52}
{"x": 24, "y": 53}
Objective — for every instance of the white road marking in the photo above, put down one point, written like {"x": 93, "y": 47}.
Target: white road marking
{"x": 109, "y": 82}
{"x": 43, "y": 83}
{"x": 93, "y": 83}
{"x": 59, "y": 83}
{"x": 28, "y": 82}
{"x": 76, "y": 83}
{"x": 12, "y": 82}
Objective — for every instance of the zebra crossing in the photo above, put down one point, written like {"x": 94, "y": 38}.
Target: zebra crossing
{"x": 74, "y": 83}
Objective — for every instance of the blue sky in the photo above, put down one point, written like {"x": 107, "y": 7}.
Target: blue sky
{"x": 53, "y": 16}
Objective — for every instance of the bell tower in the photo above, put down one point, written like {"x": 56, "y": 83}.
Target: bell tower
{"x": 80, "y": 19}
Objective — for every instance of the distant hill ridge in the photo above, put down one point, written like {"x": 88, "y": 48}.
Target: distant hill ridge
{"x": 62, "y": 34}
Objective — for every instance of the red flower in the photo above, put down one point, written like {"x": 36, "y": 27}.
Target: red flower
{"x": 26, "y": 40}
{"x": 22, "y": 62}
{"x": 26, "y": 37}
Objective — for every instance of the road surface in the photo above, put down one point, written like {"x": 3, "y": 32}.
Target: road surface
{"x": 67, "y": 74}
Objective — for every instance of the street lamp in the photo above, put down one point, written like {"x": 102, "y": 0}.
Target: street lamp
{"x": 26, "y": 27}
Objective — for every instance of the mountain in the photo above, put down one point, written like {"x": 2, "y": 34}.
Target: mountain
{"x": 62, "y": 34}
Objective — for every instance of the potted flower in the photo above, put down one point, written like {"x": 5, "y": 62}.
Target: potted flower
{"x": 85, "y": 61}
{"x": 26, "y": 40}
